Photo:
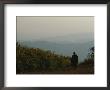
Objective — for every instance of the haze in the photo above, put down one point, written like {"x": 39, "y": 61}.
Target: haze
{"x": 35, "y": 28}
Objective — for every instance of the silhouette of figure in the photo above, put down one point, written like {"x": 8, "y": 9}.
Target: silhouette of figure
{"x": 74, "y": 60}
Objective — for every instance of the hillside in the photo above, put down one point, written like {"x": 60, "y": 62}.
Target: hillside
{"x": 39, "y": 61}
{"x": 62, "y": 48}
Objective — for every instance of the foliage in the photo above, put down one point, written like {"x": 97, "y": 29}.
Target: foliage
{"x": 35, "y": 59}
{"x": 91, "y": 53}
{"x": 90, "y": 58}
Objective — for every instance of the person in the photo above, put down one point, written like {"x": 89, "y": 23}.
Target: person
{"x": 74, "y": 60}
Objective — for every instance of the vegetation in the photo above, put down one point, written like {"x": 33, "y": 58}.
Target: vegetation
{"x": 36, "y": 60}
{"x": 90, "y": 58}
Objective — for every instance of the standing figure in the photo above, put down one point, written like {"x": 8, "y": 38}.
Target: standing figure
{"x": 74, "y": 60}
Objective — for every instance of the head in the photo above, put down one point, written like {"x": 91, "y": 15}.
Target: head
{"x": 74, "y": 53}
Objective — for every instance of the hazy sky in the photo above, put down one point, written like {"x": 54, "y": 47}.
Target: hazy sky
{"x": 35, "y": 28}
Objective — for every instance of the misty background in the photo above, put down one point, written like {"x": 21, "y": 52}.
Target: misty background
{"x": 61, "y": 34}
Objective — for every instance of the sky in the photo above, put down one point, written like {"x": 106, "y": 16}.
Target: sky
{"x": 31, "y": 28}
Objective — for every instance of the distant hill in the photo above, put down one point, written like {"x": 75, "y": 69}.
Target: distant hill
{"x": 62, "y": 48}
{"x": 72, "y": 38}
{"x": 63, "y": 39}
